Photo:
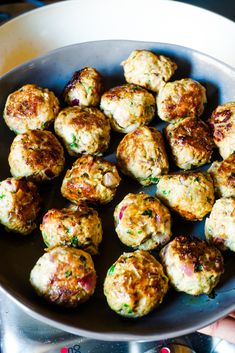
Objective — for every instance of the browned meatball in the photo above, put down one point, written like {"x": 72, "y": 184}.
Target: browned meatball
{"x": 30, "y": 108}
{"x": 181, "y": 99}
{"x": 85, "y": 88}
{"x": 19, "y": 205}
{"x": 223, "y": 174}
{"x": 222, "y": 123}
{"x": 191, "y": 143}
{"x": 64, "y": 276}
{"x": 36, "y": 155}
{"x": 192, "y": 265}
{"x": 91, "y": 179}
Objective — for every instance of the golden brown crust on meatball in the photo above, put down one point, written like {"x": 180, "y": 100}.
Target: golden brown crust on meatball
{"x": 189, "y": 194}
{"x": 148, "y": 69}
{"x": 191, "y": 143}
{"x": 85, "y": 88}
{"x": 128, "y": 107}
{"x": 222, "y": 123}
{"x": 19, "y": 205}
{"x": 181, "y": 99}
{"x": 135, "y": 284}
{"x": 91, "y": 179}
{"x": 142, "y": 221}
{"x": 192, "y": 265}
{"x": 141, "y": 154}
{"x": 83, "y": 130}
{"x": 36, "y": 155}
{"x": 79, "y": 227}
{"x": 64, "y": 276}
{"x": 30, "y": 108}
{"x": 223, "y": 174}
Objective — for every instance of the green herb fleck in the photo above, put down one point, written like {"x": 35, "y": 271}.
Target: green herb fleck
{"x": 75, "y": 241}
{"x": 140, "y": 231}
{"x": 89, "y": 90}
{"x": 198, "y": 268}
{"x": 165, "y": 192}
{"x": 68, "y": 274}
{"x": 111, "y": 269}
{"x": 126, "y": 306}
{"x": 153, "y": 180}
{"x": 148, "y": 213}
{"x": 2, "y": 196}
{"x": 74, "y": 143}
{"x": 67, "y": 230}
{"x": 129, "y": 231}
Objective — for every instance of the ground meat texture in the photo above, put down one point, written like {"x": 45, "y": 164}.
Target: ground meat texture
{"x": 191, "y": 195}
{"x": 64, "y": 276}
{"x": 83, "y": 130}
{"x": 191, "y": 143}
{"x": 141, "y": 154}
{"x": 142, "y": 222}
{"x": 220, "y": 226}
{"x": 147, "y": 69}
{"x": 79, "y": 227}
{"x": 222, "y": 123}
{"x": 30, "y": 108}
{"x": 181, "y": 99}
{"x": 135, "y": 284}
{"x": 192, "y": 265}
{"x": 36, "y": 155}
{"x": 85, "y": 88}
{"x": 223, "y": 174}
{"x": 19, "y": 205}
{"x": 91, "y": 179}
{"x": 128, "y": 107}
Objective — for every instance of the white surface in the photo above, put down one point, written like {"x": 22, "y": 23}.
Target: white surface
{"x": 73, "y": 21}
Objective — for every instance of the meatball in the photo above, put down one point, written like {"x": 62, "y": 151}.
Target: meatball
{"x": 128, "y": 107}
{"x": 36, "y": 155}
{"x": 222, "y": 123}
{"x": 135, "y": 284}
{"x": 220, "y": 226}
{"x": 91, "y": 179}
{"x": 148, "y": 70}
{"x": 223, "y": 174}
{"x": 85, "y": 88}
{"x": 191, "y": 143}
{"x": 19, "y": 205}
{"x": 79, "y": 227}
{"x": 192, "y": 266}
{"x": 142, "y": 222}
{"x": 83, "y": 130}
{"x": 141, "y": 154}
{"x": 64, "y": 276}
{"x": 181, "y": 99}
{"x": 191, "y": 195}
{"x": 30, "y": 108}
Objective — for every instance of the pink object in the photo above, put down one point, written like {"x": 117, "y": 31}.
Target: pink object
{"x": 165, "y": 350}
{"x": 64, "y": 350}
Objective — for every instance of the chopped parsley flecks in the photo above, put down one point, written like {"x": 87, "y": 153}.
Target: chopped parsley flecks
{"x": 111, "y": 269}
{"x": 68, "y": 274}
{"x": 2, "y": 196}
{"x": 153, "y": 180}
{"x": 75, "y": 241}
{"x": 198, "y": 268}
{"x": 74, "y": 141}
{"x": 126, "y": 306}
{"x": 166, "y": 192}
